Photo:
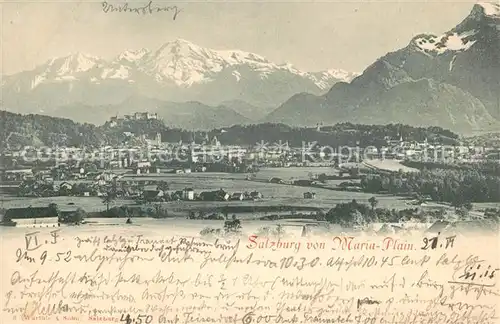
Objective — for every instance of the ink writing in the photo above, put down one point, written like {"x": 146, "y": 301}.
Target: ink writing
{"x": 149, "y": 8}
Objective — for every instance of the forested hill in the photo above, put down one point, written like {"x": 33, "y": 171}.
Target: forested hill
{"x": 18, "y": 130}
{"x": 336, "y": 135}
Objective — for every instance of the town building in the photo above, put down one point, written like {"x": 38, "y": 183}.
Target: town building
{"x": 145, "y": 116}
{"x": 237, "y": 196}
{"x": 256, "y": 195}
{"x": 309, "y": 195}
{"x": 188, "y": 194}
{"x": 32, "y": 217}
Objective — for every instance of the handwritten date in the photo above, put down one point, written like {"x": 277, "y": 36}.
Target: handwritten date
{"x": 432, "y": 243}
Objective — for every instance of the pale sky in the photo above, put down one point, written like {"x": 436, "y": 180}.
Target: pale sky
{"x": 311, "y": 35}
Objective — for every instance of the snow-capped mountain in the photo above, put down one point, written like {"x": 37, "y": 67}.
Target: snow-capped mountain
{"x": 178, "y": 71}
{"x": 450, "y": 80}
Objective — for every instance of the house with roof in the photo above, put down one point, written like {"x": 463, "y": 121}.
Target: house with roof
{"x": 237, "y": 196}
{"x": 303, "y": 182}
{"x": 222, "y": 195}
{"x": 65, "y": 188}
{"x": 438, "y": 227}
{"x": 472, "y": 227}
{"x": 207, "y": 196}
{"x": 17, "y": 175}
{"x": 217, "y": 195}
{"x": 256, "y": 195}
{"x": 309, "y": 195}
{"x": 188, "y": 194}
{"x": 32, "y": 217}
{"x": 276, "y": 180}
{"x": 153, "y": 195}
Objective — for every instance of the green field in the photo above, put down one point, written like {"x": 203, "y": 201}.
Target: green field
{"x": 274, "y": 194}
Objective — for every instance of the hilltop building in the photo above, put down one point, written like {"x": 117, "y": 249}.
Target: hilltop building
{"x": 136, "y": 116}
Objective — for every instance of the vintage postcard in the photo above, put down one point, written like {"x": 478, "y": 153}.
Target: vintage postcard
{"x": 253, "y": 162}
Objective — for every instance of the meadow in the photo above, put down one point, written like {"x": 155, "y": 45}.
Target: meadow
{"x": 389, "y": 165}
{"x": 274, "y": 194}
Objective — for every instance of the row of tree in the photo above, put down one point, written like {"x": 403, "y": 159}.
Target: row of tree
{"x": 354, "y": 214}
{"x": 454, "y": 186}
{"x": 488, "y": 166}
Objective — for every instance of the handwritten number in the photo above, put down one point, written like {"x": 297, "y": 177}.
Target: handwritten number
{"x": 430, "y": 243}
{"x": 43, "y": 257}
{"x": 19, "y": 253}
{"x": 434, "y": 242}
{"x": 286, "y": 262}
{"x": 450, "y": 240}
{"x": 67, "y": 258}
{"x": 426, "y": 243}
{"x": 248, "y": 318}
{"x": 302, "y": 263}
{"x": 126, "y": 319}
{"x": 146, "y": 319}
{"x": 314, "y": 262}
{"x": 31, "y": 240}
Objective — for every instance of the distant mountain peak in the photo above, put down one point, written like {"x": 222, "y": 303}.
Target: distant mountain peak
{"x": 73, "y": 63}
{"x": 133, "y": 55}
{"x": 179, "y": 47}
{"x": 483, "y": 15}
{"x": 450, "y": 41}
{"x": 449, "y": 79}
{"x": 178, "y": 70}
{"x": 491, "y": 9}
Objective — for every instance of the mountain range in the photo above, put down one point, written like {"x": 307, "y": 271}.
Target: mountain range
{"x": 450, "y": 80}
{"x": 189, "y": 115}
{"x": 179, "y": 71}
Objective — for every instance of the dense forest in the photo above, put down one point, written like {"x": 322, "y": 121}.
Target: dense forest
{"x": 37, "y": 130}
{"x": 335, "y": 136}
{"x": 457, "y": 187}
{"x": 357, "y": 214}
{"x": 490, "y": 166}
{"x": 486, "y": 140}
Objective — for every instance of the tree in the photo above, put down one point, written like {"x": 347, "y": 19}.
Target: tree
{"x": 468, "y": 206}
{"x": 232, "y": 226}
{"x": 79, "y": 215}
{"x": 162, "y": 185}
{"x": 108, "y": 198}
{"x": 54, "y": 209}
{"x": 76, "y": 217}
{"x": 356, "y": 218}
{"x": 280, "y": 231}
{"x": 160, "y": 212}
{"x": 373, "y": 202}
{"x": 322, "y": 178}
{"x": 462, "y": 212}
